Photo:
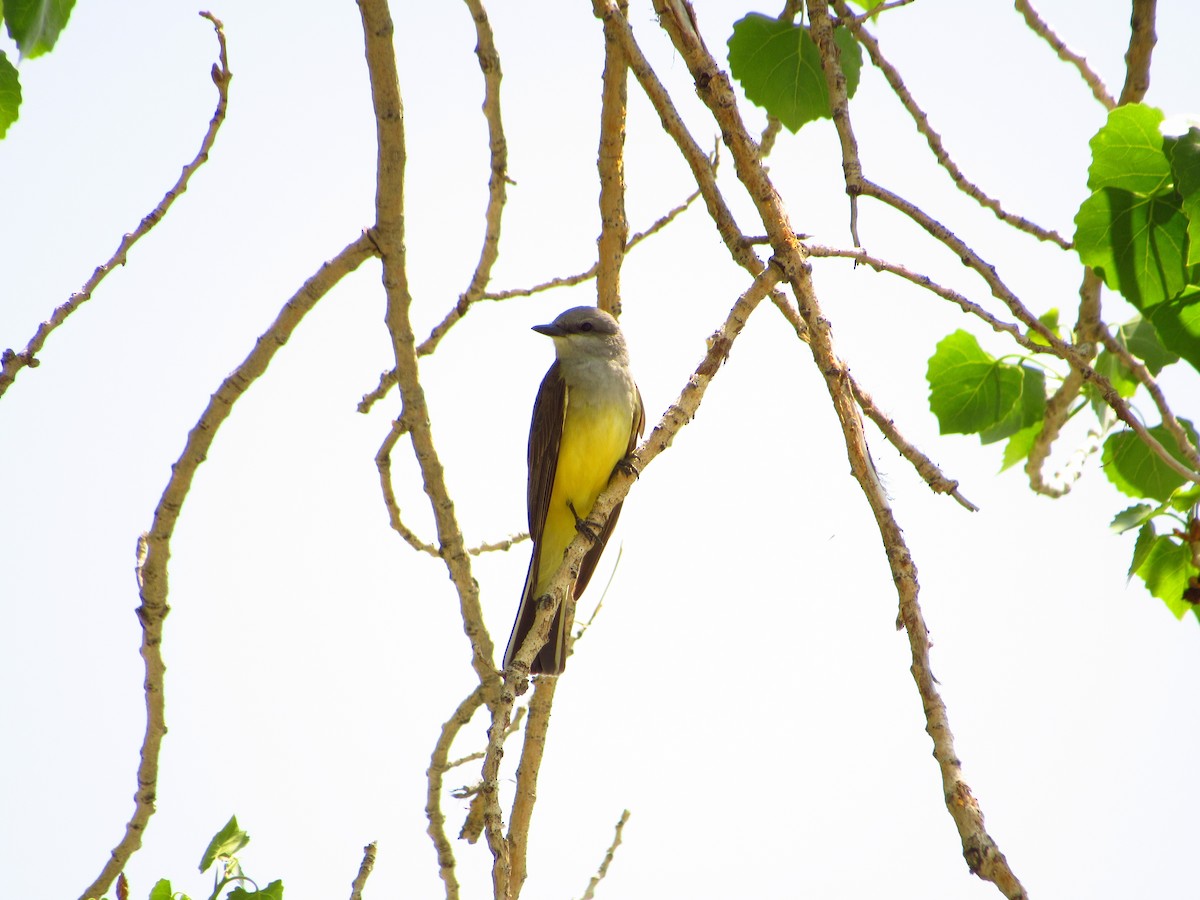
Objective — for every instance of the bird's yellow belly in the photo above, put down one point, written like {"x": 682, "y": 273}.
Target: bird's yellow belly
{"x": 594, "y": 440}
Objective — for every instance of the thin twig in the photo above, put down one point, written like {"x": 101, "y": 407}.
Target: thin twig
{"x": 925, "y": 467}
{"x": 492, "y": 546}
{"x": 1088, "y": 328}
{"x": 513, "y": 727}
{"x": 438, "y": 766}
{"x": 877, "y": 11}
{"x": 364, "y": 872}
{"x": 154, "y": 548}
{"x": 383, "y": 463}
{"x": 766, "y": 143}
{"x": 1053, "y": 343}
{"x": 1143, "y": 376}
{"x": 921, "y": 120}
{"x": 1058, "y": 409}
{"x": 387, "y": 380}
{"x": 604, "y": 593}
{"x": 11, "y": 362}
{"x": 590, "y": 893}
{"x": 570, "y": 280}
{"x": 1075, "y": 356}
{"x": 968, "y": 306}
{"x": 839, "y": 104}
{"x": 489, "y": 64}
{"x": 1038, "y": 26}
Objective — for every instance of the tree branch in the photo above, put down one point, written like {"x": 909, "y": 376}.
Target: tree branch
{"x": 925, "y": 467}
{"x": 383, "y": 463}
{"x": 528, "y": 768}
{"x": 364, "y": 872}
{"x": 1042, "y": 30}
{"x": 387, "y": 380}
{"x": 614, "y": 226}
{"x": 439, "y": 764}
{"x": 11, "y": 362}
{"x": 1141, "y": 46}
{"x": 1053, "y": 343}
{"x": 489, "y": 64}
{"x": 701, "y": 166}
{"x": 716, "y": 92}
{"x": 154, "y": 548}
{"x": 590, "y": 893}
{"x": 388, "y": 235}
{"x": 921, "y": 120}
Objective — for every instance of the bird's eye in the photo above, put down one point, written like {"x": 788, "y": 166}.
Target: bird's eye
{"x": 586, "y": 326}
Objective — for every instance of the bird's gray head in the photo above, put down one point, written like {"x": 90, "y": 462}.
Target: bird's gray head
{"x": 585, "y": 331}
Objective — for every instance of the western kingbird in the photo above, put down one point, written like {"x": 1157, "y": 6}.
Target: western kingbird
{"x": 587, "y": 417}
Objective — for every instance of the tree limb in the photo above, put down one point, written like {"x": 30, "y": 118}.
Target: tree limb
{"x": 1046, "y": 33}
{"x": 364, "y": 872}
{"x": 933, "y": 139}
{"x": 11, "y": 362}
{"x": 154, "y": 547}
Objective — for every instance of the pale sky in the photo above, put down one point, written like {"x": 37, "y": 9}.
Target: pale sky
{"x": 744, "y": 692}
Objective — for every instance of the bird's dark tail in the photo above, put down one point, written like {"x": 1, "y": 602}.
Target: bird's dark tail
{"x": 552, "y": 658}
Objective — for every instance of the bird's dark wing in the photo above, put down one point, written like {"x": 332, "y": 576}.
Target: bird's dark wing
{"x": 545, "y": 435}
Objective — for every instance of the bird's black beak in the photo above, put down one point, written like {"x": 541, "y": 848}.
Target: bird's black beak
{"x": 550, "y": 330}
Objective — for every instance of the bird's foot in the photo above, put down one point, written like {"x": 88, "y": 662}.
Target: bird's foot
{"x": 583, "y": 526}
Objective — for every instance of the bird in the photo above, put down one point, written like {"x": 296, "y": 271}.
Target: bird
{"x": 587, "y": 418}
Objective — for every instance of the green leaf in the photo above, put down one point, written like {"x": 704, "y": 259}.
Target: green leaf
{"x": 779, "y": 67}
{"x": 161, "y": 891}
{"x": 225, "y": 844}
{"x": 273, "y": 891}
{"x": 1136, "y": 470}
{"x": 1165, "y": 566}
{"x": 1137, "y": 244}
{"x": 1183, "y": 152}
{"x": 1029, "y": 408}
{"x": 1127, "y": 153}
{"x": 1184, "y": 500}
{"x": 1139, "y": 337}
{"x": 1141, "y": 548}
{"x": 1020, "y": 444}
{"x": 1050, "y": 320}
{"x": 10, "y": 94}
{"x": 1110, "y": 366}
{"x": 1177, "y": 322}
{"x": 1133, "y": 517}
{"x": 36, "y": 24}
{"x": 969, "y": 390}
